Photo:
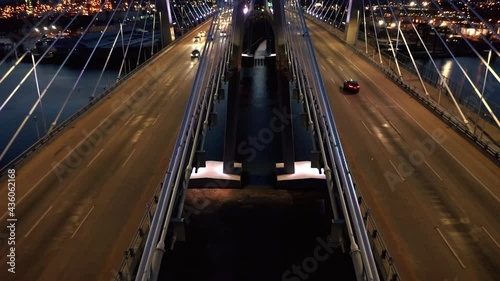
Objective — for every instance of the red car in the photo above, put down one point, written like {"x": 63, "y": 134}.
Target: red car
{"x": 351, "y": 85}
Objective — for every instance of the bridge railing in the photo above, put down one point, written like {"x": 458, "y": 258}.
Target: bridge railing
{"x": 170, "y": 201}
{"x": 374, "y": 262}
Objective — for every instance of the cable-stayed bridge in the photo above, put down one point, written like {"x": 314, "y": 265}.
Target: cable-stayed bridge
{"x": 256, "y": 112}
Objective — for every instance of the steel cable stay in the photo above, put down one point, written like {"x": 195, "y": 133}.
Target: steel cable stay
{"x": 389, "y": 40}
{"x": 189, "y": 14}
{"x": 199, "y": 15}
{"x": 118, "y": 34}
{"x": 469, "y": 43}
{"x": 112, "y": 49}
{"x": 143, "y": 32}
{"x": 343, "y": 18}
{"x": 485, "y": 22}
{"x": 364, "y": 27}
{"x": 488, "y": 26}
{"x": 153, "y": 31}
{"x": 325, "y": 11}
{"x": 407, "y": 47}
{"x": 476, "y": 90}
{"x": 23, "y": 123}
{"x": 39, "y": 96}
{"x": 29, "y": 50}
{"x": 87, "y": 62}
{"x": 334, "y": 11}
{"x": 375, "y": 30}
{"x": 431, "y": 59}
{"x": 20, "y": 42}
{"x": 129, "y": 39}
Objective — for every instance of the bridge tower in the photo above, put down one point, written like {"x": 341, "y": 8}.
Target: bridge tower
{"x": 353, "y": 19}
{"x": 166, "y": 26}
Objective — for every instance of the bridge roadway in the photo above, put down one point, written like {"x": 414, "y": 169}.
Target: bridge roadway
{"x": 78, "y": 228}
{"x": 65, "y": 227}
{"x": 451, "y": 198}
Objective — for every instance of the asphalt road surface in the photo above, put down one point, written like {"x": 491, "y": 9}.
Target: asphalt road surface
{"x": 434, "y": 196}
{"x": 77, "y": 214}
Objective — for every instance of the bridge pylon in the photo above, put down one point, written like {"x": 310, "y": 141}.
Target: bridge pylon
{"x": 353, "y": 19}
{"x": 166, "y": 24}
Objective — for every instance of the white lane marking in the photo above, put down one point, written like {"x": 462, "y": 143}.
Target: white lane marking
{"x": 152, "y": 95}
{"x": 433, "y": 170}
{"x": 366, "y": 127}
{"x": 347, "y": 100}
{"x": 128, "y": 157}
{"x": 88, "y": 214}
{"x": 39, "y": 220}
{"x": 332, "y": 80}
{"x": 323, "y": 67}
{"x": 395, "y": 128}
{"x": 130, "y": 119}
{"x": 421, "y": 127}
{"x": 340, "y": 67}
{"x": 369, "y": 99}
{"x": 91, "y": 133}
{"x": 495, "y": 241}
{"x": 175, "y": 93}
{"x": 403, "y": 179}
{"x": 95, "y": 157}
{"x": 449, "y": 246}
{"x": 156, "y": 119}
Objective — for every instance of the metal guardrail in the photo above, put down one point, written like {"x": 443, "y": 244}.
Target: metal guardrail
{"x": 333, "y": 160}
{"x": 59, "y": 129}
{"x": 174, "y": 186}
{"x": 430, "y": 104}
{"x": 133, "y": 252}
{"x": 385, "y": 262}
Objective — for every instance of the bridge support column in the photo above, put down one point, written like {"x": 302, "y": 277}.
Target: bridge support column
{"x": 229, "y": 154}
{"x": 166, "y": 26}
{"x": 353, "y": 17}
{"x": 279, "y": 38}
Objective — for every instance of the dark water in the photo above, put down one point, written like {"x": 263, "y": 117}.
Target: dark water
{"x": 14, "y": 112}
{"x": 458, "y": 83}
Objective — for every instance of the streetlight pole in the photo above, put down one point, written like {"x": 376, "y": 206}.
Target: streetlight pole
{"x": 482, "y": 91}
{"x": 37, "y": 132}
